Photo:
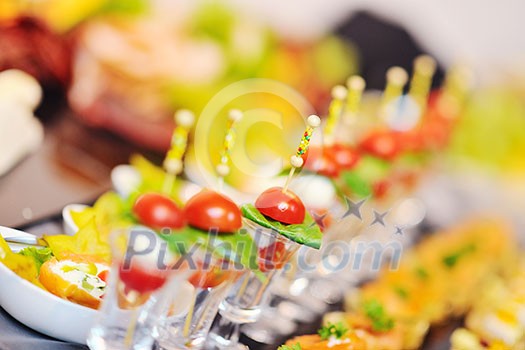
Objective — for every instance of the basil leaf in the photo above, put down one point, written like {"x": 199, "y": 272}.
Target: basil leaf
{"x": 452, "y": 259}
{"x": 374, "y": 310}
{"x": 357, "y": 185}
{"x": 308, "y": 233}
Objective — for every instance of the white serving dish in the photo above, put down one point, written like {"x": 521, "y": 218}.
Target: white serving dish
{"x": 70, "y": 228}
{"x": 39, "y": 309}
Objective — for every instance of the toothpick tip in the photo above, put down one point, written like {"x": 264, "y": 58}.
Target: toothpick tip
{"x": 235, "y": 114}
{"x": 425, "y": 64}
{"x": 314, "y": 121}
{"x": 296, "y": 161}
{"x": 222, "y": 169}
{"x": 184, "y": 117}
{"x": 356, "y": 83}
{"x": 339, "y": 92}
{"x": 173, "y": 166}
{"x": 396, "y": 75}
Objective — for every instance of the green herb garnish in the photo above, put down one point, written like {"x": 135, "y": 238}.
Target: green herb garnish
{"x": 337, "y": 330}
{"x": 401, "y": 292}
{"x": 381, "y": 322}
{"x": 293, "y": 347}
{"x": 307, "y": 233}
{"x": 86, "y": 285}
{"x": 40, "y": 256}
{"x": 421, "y": 273}
{"x": 357, "y": 184}
{"x": 452, "y": 259}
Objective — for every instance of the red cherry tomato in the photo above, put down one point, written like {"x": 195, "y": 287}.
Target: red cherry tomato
{"x": 344, "y": 156}
{"x": 381, "y": 189}
{"x": 158, "y": 211}
{"x": 272, "y": 257}
{"x": 322, "y": 217}
{"x": 316, "y": 160}
{"x": 408, "y": 179}
{"x": 411, "y": 141}
{"x": 141, "y": 280}
{"x": 284, "y": 207}
{"x": 209, "y": 209}
{"x": 104, "y": 275}
{"x": 210, "y": 278}
{"x": 435, "y": 133}
{"x": 382, "y": 144}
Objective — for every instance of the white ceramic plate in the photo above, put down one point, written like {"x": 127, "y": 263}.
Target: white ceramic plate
{"x": 125, "y": 179}
{"x": 39, "y": 309}
{"x": 70, "y": 228}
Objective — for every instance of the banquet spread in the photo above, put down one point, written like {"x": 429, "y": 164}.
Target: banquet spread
{"x": 213, "y": 239}
{"x": 439, "y": 278}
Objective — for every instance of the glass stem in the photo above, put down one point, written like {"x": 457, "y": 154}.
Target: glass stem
{"x": 226, "y": 334}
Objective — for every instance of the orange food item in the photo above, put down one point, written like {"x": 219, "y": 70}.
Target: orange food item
{"x": 314, "y": 342}
{"x": 74, "y": 279}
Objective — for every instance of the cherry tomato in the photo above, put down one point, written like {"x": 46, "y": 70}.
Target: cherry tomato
{"x": 104, "y": 275}
{"x": 158, "y": 211}
{"x": 344, "y": 156}
{"x": 381, "y": 188}
{"x": 382, "y": 144}
{"x": 284, "y": 207}
{"x": 316, "y": 160}
{"x": 141, "y": 280}
{"x": 435, "y": 133}
{"x": 272, "y": 257}
{"x": 322, "y": 217}
{"x": 209, "y": 278}
{"x": 408, "y": 179}
{"x": 411, "y": 141}
{"x": 209, "y": 209}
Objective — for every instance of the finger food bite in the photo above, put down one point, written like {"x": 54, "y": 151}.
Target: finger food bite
{"x": 280, "y": 209}
{"x": 282, "y": 206}
{"x": 76, "y": 278}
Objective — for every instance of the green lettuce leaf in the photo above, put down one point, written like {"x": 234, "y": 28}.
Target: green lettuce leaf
{"x": 308, "y": 233}
{"x": 39, "y": 255}
{"x": 153, "y": 178}
{"x": 360, "y": 180}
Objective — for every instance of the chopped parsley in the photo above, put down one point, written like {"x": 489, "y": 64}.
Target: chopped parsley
{"x": 337, "y": 330}
{"x": 381, "y": 322}
{"x": 86, "y": 285}
{"x": 421, "y": 273}
{"x": 452, "y": 259}
{"x": 293, "y": 347}
{"x": 401, "y": 292}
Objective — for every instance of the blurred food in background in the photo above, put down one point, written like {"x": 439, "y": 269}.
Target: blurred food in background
{"x": 438, "y": 279}
{"x": 131, "y": 74}
{"x": 20, "y": 132}
{"x": 491, "y": 132}
{"x": 133, "y": 63}
{"x": 28, "y": 44}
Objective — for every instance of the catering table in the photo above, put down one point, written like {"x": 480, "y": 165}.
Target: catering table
{"x": 15, "y": 336}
